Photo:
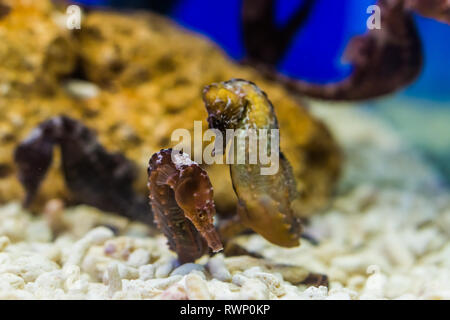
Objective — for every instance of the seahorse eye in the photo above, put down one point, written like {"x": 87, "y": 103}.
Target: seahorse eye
{"x": 202, "y": 215}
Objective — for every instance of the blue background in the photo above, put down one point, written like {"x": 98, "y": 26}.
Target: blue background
{"x": 315, "y": 54}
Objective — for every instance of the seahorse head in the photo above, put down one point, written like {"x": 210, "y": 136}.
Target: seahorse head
{"x": 225, "y": 103}
{"x": 194, "y": 194}
{"x": 231, "y": 103}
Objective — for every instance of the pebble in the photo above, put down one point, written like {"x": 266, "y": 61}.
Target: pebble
{"x": 196, "y": 288}
{"x": 164, "y": 269}
{"x": 139, "y": 258}
{"x": 147, "y": 272}
{"x": 4, "y": 242}
{"x": 216, "y": 266}
{"x": 187, "y": 268}
{"x": 79, "y": 249}
{"x": 174, "y": 292}
{"x": 112, "y": 279}
{"x": 164, "y": 282}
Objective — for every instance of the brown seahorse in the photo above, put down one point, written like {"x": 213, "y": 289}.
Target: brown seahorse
{"x": 267, "y": 203}
{"x": 181, "y": 197}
